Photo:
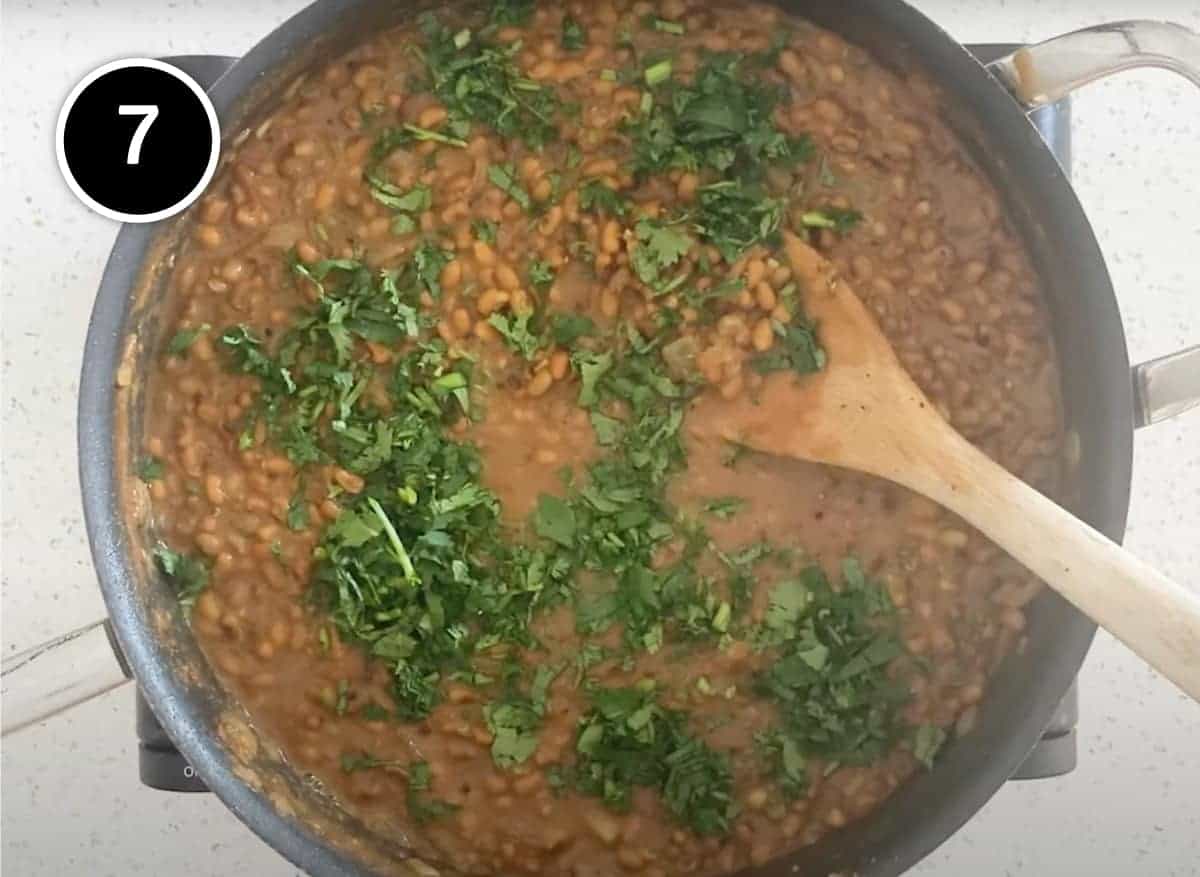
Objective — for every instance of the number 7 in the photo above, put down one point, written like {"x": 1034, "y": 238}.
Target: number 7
{"x": 149, "y": 113}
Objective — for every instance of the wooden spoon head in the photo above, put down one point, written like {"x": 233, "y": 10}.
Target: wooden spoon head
{"x": 859, "y": 411}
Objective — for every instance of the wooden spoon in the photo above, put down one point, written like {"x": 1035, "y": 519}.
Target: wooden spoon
{"x": 863, "y": 411}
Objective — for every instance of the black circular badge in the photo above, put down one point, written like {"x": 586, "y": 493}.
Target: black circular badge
{"x": 137, "y": 140}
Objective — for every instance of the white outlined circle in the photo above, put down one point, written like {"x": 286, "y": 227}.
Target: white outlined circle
{"x": 92, "y": 203}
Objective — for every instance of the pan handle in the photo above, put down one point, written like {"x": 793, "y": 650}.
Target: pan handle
{"x": 57, "y": 675}
{"x": 1046, "y": 72}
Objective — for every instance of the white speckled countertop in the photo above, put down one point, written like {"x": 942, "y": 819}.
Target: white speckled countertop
{"x": 71, "y": 800}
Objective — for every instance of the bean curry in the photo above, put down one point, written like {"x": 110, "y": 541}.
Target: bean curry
{"x": 417, "y": 443}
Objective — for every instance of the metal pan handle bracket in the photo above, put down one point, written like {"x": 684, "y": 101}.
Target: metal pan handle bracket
{"x": 1041, "y": 74}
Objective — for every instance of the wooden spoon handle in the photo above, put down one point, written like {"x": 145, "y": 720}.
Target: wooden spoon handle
{"x": 1157, "y": 618}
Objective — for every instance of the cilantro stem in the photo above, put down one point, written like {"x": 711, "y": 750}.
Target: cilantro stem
{"x": 401, "y": 552}
{"x": 426, "y": 134}
{"x": 658, "y": 73}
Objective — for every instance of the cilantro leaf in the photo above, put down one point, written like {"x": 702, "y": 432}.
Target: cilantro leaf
{"x": 628, "y": 740}
{"x": 567, "y": 328}
{"x": 188, "y": 575}
{"x": 504, "y": 177}
{"x": 541, "y": 275}
{"x": 660, "y": 247}
{"x": 840, "y": 219}
{"x": 574, "y": 36}
{"x": 555, "y": 520}
{"x": 658, "y": 73}
{"x": 927, "y": 742}
{"x": 182, "y": 340}
{"x": 516, "y": 332}
{"x": 514, "y": 732}
{"x": 514, "y": 13}
{"x": 297, "y": 512}
{"x": 515, "y": 721}
{"x": 724, "y": 507}
{"x": 150, "y": 468}
{"x": 796, "y": 349}
{"x": 421, "y": 806}
{"x": 415, "y": 200}
{"x": 734, "y": 216}
{"x": 485, "y": 230}
{"x": 830, "y": 682}
{"x": 595, "y": 195}
{"x": 479, "y": 82}
{"x": 591, "y": 367}
{"x": 662, "y": 25}
{"x": 720, "y": 121}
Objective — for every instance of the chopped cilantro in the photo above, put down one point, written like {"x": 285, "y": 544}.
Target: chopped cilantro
{"x": 567, "y": 328}
{"x": 511, "y": 13}
{"x": 658, "y": 73}
{"x": 415, "y": 200}
{"x": 182, "y": 340}
{"x": 663, "y": 26}
{"x": 514, "y": 722}
{"x": 150, "y": 468}
{"x": 516, "y": 332}
{"x": 836, "y": 699}
{"x": 629, "y": 740}
{"x": 541, "y": 275}
{"x": 796, "y": 349}
{"x": 927, "y": 742}
{"x": 660, "y": 247}
{"x": 422, "y": 807}
{"x": 724, "y": 507}
{"x": 479, "y": 82}
{"x": 188, "y": 575}
{"x": 372, "y": 712}
{"x": 485, "y": 230}
{"x": 555, "y": 520}
{"x": 297, "y": 512}
{"x": 574, "y": 36}
{"x": 595, "y": 195}
{"x": 504, "y": 177}
{"x": 405, "y": 204}
{"x": 414, "y": 569}
{"x": 719, "y": 121}
{"x": 735, "y": 216}
{"x": 840, "y": 219}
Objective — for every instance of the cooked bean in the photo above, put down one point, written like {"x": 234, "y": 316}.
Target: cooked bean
{"x": 490, "y": 301}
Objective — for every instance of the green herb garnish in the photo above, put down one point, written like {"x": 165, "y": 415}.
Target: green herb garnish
{"x": 796, "y": 349}
{"x": 485, "y": 230}
{"x": 504, "y": 177}
{"x": 479, "y": 82}
{"x": 660, "y": 247}
{"x": 724, "y": 507}
{"x": 188, "y": 575}
{"x": 837, "y": 700}
{"x": 150, "y": 468}
{"x": 182, "y": 340}
{"x": 595, "y": 195}
{"x": 927, "y": 742}
{"x": 628, "y": 740}
{"x": 840, "y": 219}
{"x": 574, "y": 36}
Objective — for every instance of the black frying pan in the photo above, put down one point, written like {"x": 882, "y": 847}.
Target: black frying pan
{"x": 987, "y": 109}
